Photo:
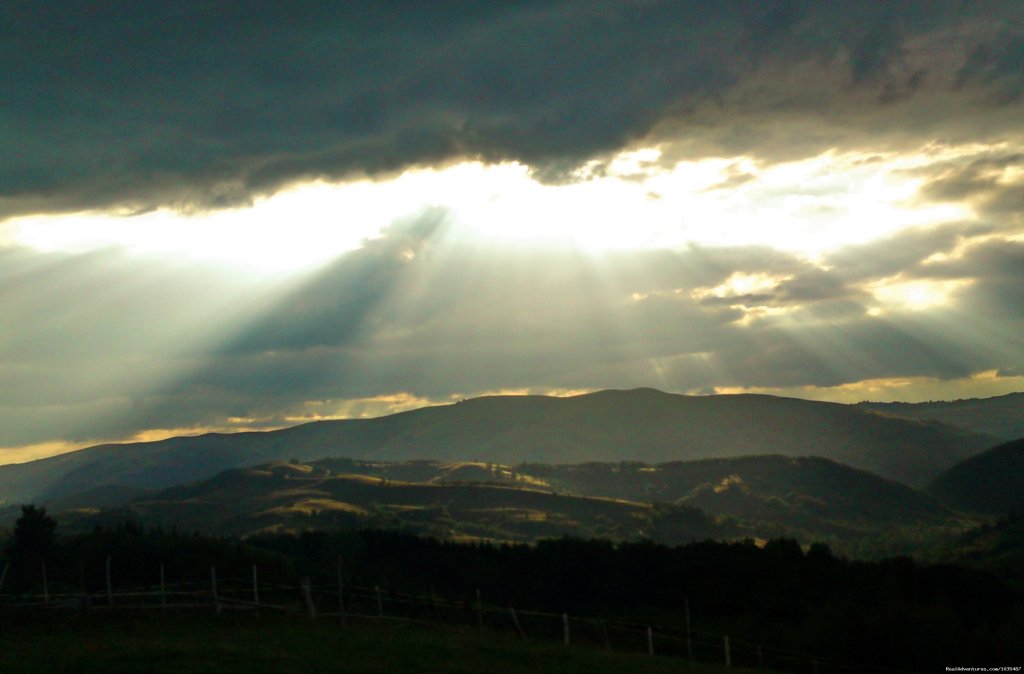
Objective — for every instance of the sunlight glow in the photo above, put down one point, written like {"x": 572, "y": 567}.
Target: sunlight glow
{"x": 630, "y": 201}
{"x": 751, "y": 293}
{"x": 739, "y": 284}
{"x": 905, "y": 389}
{"x": 357, "y": 408}
{"x": 917, "y": 295}
{"x": 382, "y": 405}
{"x": 293, "y": 229}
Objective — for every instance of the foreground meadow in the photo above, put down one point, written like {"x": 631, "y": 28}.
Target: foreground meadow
{"x": 189, "y": 642}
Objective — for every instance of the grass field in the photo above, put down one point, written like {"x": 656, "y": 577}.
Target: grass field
{"x": 194, "y": 643}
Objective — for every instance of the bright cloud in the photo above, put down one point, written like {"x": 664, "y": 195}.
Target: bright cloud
{"x": 899, "y": 389}
{"x": 918, "y": 295}
{"x": 809, "y": 207}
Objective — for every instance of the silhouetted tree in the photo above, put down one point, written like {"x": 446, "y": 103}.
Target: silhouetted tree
{"x": 33, "y": 535}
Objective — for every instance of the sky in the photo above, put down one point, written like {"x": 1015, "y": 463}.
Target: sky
{"x": 222, "y": 216}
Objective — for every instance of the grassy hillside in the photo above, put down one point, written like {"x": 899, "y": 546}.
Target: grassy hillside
{"x": 820, "y": 494}
{"x": 198, "y": 643}
{"x": 812, "y": 499}
{"x": 639, "y": 425}
{"x": 295, "y": 497}
{"x": 991, "y": 482}
{"x": 786, "y": 490}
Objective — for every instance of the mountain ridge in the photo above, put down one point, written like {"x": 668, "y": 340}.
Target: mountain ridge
{"x": 609, "y": 425}
{"x": 999, "y": 416}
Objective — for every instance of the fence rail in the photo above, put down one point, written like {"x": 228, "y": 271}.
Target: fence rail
{"x": 351, "y": 604}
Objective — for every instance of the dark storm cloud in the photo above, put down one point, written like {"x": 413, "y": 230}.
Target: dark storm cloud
{"x": 901, "y": 251}
{"x": 812, "y": 286}
{"x": 995, "y": 268}
{"x": 991, "y": 259}
{"x": 199, "y": 105}
{"x": 999, "y": 62}
{"x": 991, "y": 183}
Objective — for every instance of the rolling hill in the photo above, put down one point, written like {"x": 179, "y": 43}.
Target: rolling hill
{"x": 991, "y": 482}
{"x": 812, "y": 499}
{"x": 783, "y": 489}
{"x": 292, "y": 497}
{"x": 637, "y": 425}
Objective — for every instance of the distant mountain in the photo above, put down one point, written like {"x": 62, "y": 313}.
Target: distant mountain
{"x": 638, "y": 425}
{"x": 991, "y": 482}
{"x": 1001, "y": 417}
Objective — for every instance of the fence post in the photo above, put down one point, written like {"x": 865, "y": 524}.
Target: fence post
{"x": 163, "y": 586}
{"x": 341, "y": 595}
{"x": 81, "y": 585}
{"x": 433, "y": 604}
{"x": 565, "y": 629}
{"x": 479, "y": 610}
{"x": 760, "y": 657}
{"x": 728, "y": 655}
{"x": 689, "y": 641}
{"x": 515, "y": 621}
{"x": 110, "y": 587}
{"x": 650, "y": 641}
{"x": 380, "y": 602}
{"x": 604, "y": 632}
{"x": 255, "y": 585}
{"x": 307, "y": 596}
{"x": 213, "y": 584}
{"x": 3, "y": 576}
{"x": 46, "y": 586}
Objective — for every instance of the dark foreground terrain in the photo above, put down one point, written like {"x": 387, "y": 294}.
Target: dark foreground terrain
{"x": 172, "y": 643}
{"x": 793, "y": 609}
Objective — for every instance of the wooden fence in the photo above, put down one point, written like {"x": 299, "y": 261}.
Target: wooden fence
{"x": 349, "y": 605}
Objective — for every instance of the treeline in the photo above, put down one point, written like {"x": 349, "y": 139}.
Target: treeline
{"x": 78, "y": 563}
{"x": 893, "y": 613}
